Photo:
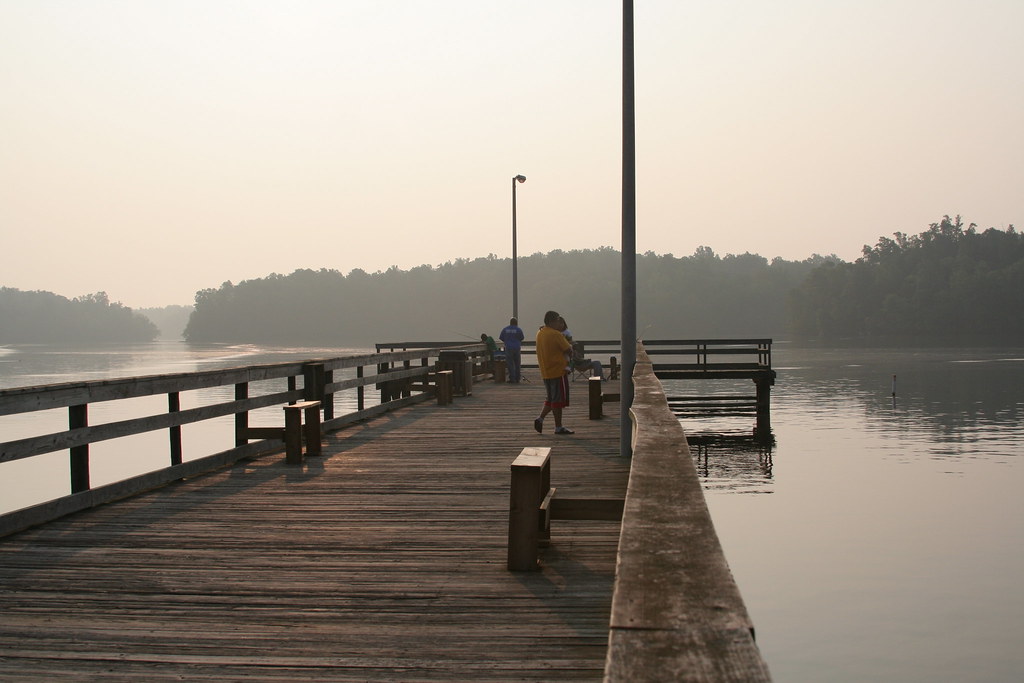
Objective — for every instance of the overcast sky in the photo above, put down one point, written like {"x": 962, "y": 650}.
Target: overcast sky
{"x": 150, "y": 149}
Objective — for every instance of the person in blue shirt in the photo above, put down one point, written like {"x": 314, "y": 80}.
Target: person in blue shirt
{"x": 512, "y": 337}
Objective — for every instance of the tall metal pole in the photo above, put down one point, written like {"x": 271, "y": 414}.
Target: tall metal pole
{"x": 628, "y": 233}
{"x": 515, "y": 259}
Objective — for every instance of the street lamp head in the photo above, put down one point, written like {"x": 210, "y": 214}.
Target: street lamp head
{"x": 521, "y": 178}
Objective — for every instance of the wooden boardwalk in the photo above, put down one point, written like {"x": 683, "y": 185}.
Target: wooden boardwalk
{"x": 383, "y": 559}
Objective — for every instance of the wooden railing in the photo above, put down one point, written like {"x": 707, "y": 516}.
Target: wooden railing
{"x": 708, "y": 355}
{"x": 686, "y": 354}
{"x": 403, "y": 377}
{"x": 677, "y": 614}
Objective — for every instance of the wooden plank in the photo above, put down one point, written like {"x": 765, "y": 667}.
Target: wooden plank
{"x": 532, "y": 457}
{"x": 47, "y": 512}
{"x": 381, "y": 560}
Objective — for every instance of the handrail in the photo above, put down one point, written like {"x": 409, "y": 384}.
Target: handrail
{"x": 759, "y": 350}
{"x": 677, "y": 613}
{"x": 475, "y": 348}
{"x": 306, "y": 380}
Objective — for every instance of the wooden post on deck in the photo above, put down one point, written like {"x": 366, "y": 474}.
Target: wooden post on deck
{"x": 241, "y": 418}
{"x": 328, "y": 399}
{"x": 294, "y": 432}
{"x": 313, "y": 381}
{"x": 445, "y": 384}
{"x": 531, "y": 483}
{"x": 596, "y": 401}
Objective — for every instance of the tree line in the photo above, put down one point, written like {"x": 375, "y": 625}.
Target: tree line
{"x": 950, "y": 283}
{"x": 696, "y": 296}
{"x": 43, "y": 317}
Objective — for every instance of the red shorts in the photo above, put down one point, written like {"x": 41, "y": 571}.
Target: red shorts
{"x": 557, "y": 392}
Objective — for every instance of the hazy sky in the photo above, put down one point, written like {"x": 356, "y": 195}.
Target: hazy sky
{"x": 154, "y": 148}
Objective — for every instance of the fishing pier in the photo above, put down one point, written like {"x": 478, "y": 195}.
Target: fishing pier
{"x": 374, "y": 538}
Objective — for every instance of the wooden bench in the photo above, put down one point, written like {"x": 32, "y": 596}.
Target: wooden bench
{"x": 532, "y": 506}
{"x": 529, "y": 520}
{"x": 596, "y": 398}
{"x": 294, "y": 432}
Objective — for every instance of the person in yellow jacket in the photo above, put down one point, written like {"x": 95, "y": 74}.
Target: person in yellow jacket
{"x": 552, "y": 350}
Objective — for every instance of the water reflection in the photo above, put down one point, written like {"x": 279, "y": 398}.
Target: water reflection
{"x": 720, "y": 429}
{"x": 961, "y": 401}
{"x": 738, "y": 463}
{"x": 948, "y": 406}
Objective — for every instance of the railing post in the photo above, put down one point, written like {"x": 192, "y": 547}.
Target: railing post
{"x": 328, "y": 398}
{"x": 406, "y": 390}
{"x": 174, "y": 406}
{"x": 360, "y": 390}
{"x": 313, "y": 381}
{"x": 78, "y": 417}
{"x": 241, "y": 417}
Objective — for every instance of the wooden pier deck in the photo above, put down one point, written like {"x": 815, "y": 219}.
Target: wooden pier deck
{"x": 382, "y": 559}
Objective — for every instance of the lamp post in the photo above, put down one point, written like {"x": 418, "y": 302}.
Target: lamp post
{"x": 626, "y": 390}
{"x": 515, "y": 273}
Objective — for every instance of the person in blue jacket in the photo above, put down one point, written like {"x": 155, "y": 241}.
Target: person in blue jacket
{"x": 512, "y": 337}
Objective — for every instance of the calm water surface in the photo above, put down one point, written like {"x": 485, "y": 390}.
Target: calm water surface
{"x": 876, "y": 540}
{"x": 881, "y": 539}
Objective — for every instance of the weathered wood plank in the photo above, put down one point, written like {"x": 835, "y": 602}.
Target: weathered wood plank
{"x": 383, "y": 559}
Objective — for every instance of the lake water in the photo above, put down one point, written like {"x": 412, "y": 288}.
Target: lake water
{"x": 881, "y": 539}
{"x": 878, "y": 539}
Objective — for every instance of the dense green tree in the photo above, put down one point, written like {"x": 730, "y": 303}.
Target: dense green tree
{"x": 948, "y": 284}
